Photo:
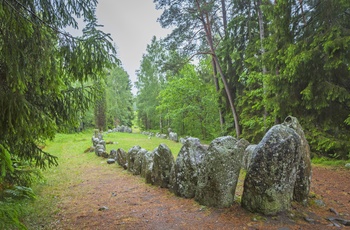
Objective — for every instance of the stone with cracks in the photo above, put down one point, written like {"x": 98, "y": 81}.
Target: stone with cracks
{"x": 184, "y": 174}
{"x": 147, "y": 165}
{"x": 270, "y": 181}
{"x": 248, "y": 156}
{"x": 132, "y": 158}
{"x": 220, "y": 171}
{"x": 122, "y": 158}
{"x": 303, "y": 182}
{"x": 138, "y": 161}
{"x": 163, "y": 161}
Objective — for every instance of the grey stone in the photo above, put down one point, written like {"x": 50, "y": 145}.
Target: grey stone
{"x": 248, "y": 156}
{"x": 303, "y": 181}
{"x": 347, "y": 165}
{"x": 147, "y": 165}
{"x": 173, "y": 136}
{"x": 138, "y": 161}
{"x": 113, "y": 154}
{"x": 270, "y": 181}
{"x": 184, "y": 174}
{"x": 122, "y": 158}
{"x": 132, "y": 158}
{"x": 163, "y": 161}
{"x": 182, "y": 140}
{"x": 95, "y": 141}
{"x": 111, "y": 161}
{"x": 320, "y": 203}
{"x": 220, "y": 171}
{"x": 99, "y": 149}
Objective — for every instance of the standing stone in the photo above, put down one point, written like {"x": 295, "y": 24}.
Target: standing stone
{"x": 173, "y": 136}
{"x": 184, "y": 174}
{"x": 138, "y": 161}
{"x": 163, "y": 161}
{"x": 99, "y": 149}
{"x": 248, "y": 156}
{"x": 113, "y": 154}
{"x": 132, "y": 157}
{"x": 95, "y": 141}
{"x": 147, "y": 165}
{"x": 220, "y": 171}
{"x": 269, "y": 183}
{"x": 122, "y": 158}
{"x": 303, "y": 182}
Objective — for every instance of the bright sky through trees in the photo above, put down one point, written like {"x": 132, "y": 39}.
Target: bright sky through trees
{"x": 132, "y": 24}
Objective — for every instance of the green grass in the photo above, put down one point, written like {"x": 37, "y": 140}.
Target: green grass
{"x": 127, "y": 140}
{"x": 329, "y": 162}
{"x": 69, "y": 148}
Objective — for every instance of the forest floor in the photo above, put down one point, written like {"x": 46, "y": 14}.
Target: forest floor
{"x": 84, "y": 192}
{"x": 115, "y": 199}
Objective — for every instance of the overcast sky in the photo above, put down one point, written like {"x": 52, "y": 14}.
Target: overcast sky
{"x": 132, "y": 24}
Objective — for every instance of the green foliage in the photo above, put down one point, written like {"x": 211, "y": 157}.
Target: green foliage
{"x": 190, "y": 105}
{"x": 119, "y": 98}
{"x": 45, "y": 74}
{"x": 101, "y": 108}
{"x": 9, "y": 216}
{"x": 11, "y": 208}
{"x": 150, "y": 79}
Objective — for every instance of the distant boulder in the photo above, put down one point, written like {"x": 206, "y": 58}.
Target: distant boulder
{"x": 173, "y": 136}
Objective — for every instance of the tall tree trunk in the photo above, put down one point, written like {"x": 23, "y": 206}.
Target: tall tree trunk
{"x": 217, "y": 87}
{"x": 207, "y": 27}
{"x": 262, "y": 37}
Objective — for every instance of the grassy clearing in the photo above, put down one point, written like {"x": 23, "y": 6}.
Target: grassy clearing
{"x": 69, "y": 148}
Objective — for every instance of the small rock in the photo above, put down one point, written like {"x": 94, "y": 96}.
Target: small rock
{"x": 309, "y": 220}
{"x": 103, "y": 208}
{"x": 347, "y": 165}
{"x": 334, "y": 211}
{"x": 320, "y": 203}
{"x": 110, "y": 161}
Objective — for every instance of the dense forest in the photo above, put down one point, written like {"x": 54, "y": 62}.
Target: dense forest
{"x": 229, "y": 67}
{"x": 239, "y": 67}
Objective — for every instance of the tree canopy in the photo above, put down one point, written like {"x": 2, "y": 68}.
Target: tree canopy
{"x": 46, "y": 74}
{"x": 270, "y": 59}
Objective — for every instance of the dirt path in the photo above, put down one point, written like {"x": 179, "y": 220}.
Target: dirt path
{"x": 115, "y": 199}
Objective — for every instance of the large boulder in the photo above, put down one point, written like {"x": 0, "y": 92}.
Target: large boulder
{"x": 184, "y": 174}
{"x": 163, "y": 161}
{"x": 137, "y": 169}
{"x": 303, "y": 181}
{"x": 133, "y": 158}
{"x": 122, "y": 158}
{"x": 220, "y": 171}
{"x": 248, "y": 156}
{"x": 272, "y": 175}
{"x": 147, "y": 165}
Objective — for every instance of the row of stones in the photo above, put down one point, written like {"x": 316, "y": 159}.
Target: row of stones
{"x": 278, "y": 169}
